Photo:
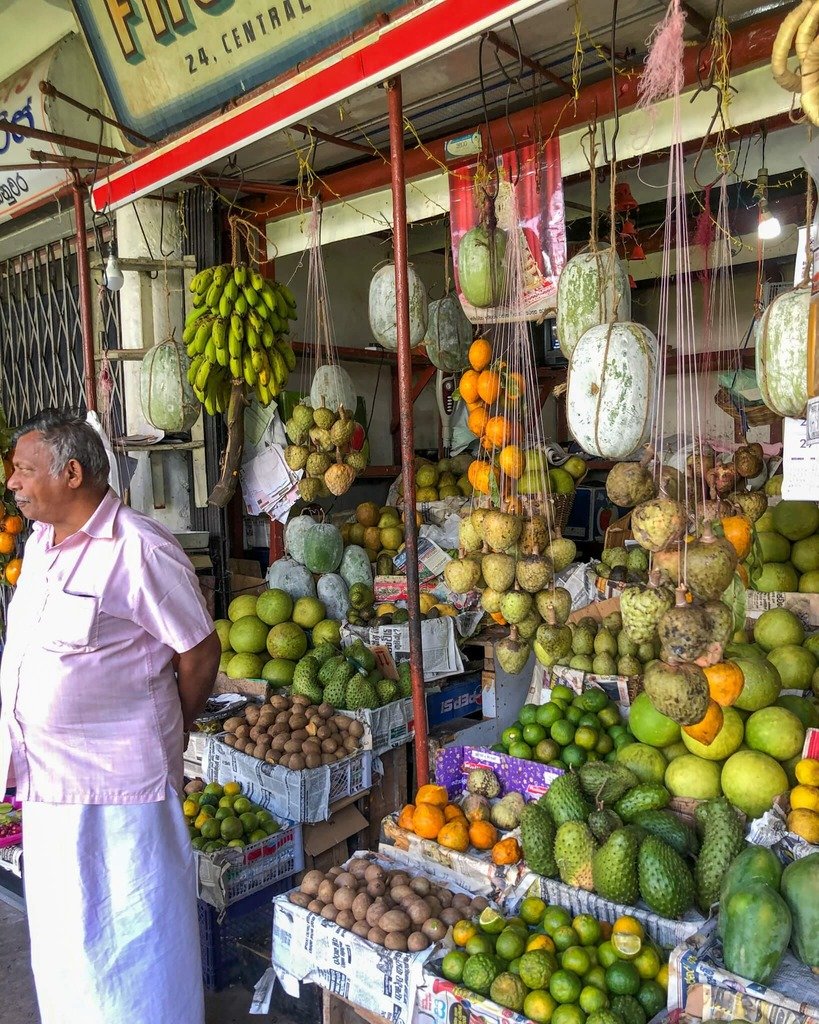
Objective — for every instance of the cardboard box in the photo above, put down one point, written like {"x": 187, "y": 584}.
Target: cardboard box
{"x": 530, "y": 778}
{"x": 456, "y": 698}
{"x": 246, "y": 577}
{"x": 389, "y": 726}
{"x": 325, "y": 842}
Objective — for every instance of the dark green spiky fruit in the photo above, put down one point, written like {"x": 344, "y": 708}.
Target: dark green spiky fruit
{"x": 647, "y": 796}
{"x": 574, "y": 851}
{"x": 564, "y": 800}
{"x": 537, "y": 838}
{"x": 606, "y": 783}
{"x": 603, "y": 823}
{"x": 666, "y": 884}
{"x": 614, "y": 867}
{"x": 668, "y": 827}
{"x": 723, "y": 838}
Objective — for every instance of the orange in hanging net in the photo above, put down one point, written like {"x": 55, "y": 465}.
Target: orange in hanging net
{"x": 514, "y": 386}
{"x": 480, "y": 474}
{"x": 489, "y": 386}
{"x": 498, "y": 432}
{"x": 480, "y": 354}
{"x": 477, "y": 419}
{"x": 468, "y": 386}
{"x": 512, "y": 461}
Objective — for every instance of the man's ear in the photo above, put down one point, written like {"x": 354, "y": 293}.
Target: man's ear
{"x": 75, "y": 474}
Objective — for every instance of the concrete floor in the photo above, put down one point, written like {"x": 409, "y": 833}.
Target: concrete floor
{"x": 19, "y": 1003}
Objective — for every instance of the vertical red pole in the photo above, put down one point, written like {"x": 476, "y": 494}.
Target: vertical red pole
{"x": 84, "y": 287}
{"x": 399, "y": 227}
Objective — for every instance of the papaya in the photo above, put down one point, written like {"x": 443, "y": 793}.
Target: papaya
{"x": 753, "y": 864}
{"x": 799, "y": 886}
{"x": 757, "y": 931}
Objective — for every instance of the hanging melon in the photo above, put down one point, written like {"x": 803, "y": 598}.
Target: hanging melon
{"x": 168, "y": 401}
{"x": 782, "y": 353}
{"x": 323, "y": 548}
{"x": 382, "y": 307}
{"x": 449, "y": 334}
{"x": 481, "y": 266}
{"x": 610, "y": 396}
{"x": 589, "y": 294}
{"x": 335, "y": 386}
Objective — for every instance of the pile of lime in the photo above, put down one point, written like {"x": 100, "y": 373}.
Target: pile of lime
{"x": 568, "y": 731}
{"x": 560, "y": 969}
{"x": 221, "y": 816}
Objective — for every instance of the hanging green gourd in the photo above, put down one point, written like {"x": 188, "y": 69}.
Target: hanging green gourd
{"x": 449, "y": 332}
{"x": 168, "y": 401}
{"x": 382, "y": 307}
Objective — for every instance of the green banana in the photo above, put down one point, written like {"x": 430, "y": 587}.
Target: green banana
{"x": 235, "y": 346}
{"x": 269, "y": 297}
{"x": 268, "y": 337}
{"x": 221, "y": 274}
{"x": 274, "y": 321}
{"x": 202, "y": 375}
{"x": 256, "y": 280}
{"x": 240, "y": 275}
{"x": 278, "y": 367}
{"x": 235, "y": 366}
{"x": 190, "y": 348}
{"x": 288, "y": 296}
{"x": 248, "y": 371}
{"x": 225, "y": 306}
{"x": 241, "y": 306}
{"x": 200, "y": 395}
{"x": 256, "y": 360}
{"x": 198, "y": 301}
{"x": 252, "y": 337}
{"x": 222, "y": 355}
{"x": 202, "y": 335}
{"x": 261, "y": 311}
{"x": 219, "y": 333}
{"x": 214, "y": 295}
{"x": 288, "y": 354}
{"x": 202, "y": 281}
{"x": 193, "y": 369}
{"x": 232, "y": 289}
{"x": 210, "y": 408}
{"x": 210, "y": 351}
{"x": 281, "y": 307}
{"x": 254, "y": 319}
{"x": 237, "y": 326}
{"x": 251, "y": 295}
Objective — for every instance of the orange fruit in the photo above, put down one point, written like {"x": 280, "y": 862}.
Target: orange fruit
{"x": 498, "y": 432}
{"x": 13, "y": 524}
{"x": 514, "y": 387}
{"x": 452, "y": 811}
{"x": 480, "y": 354}
{"x": 737, "y": 530}
{"x": 480, "y": 474}
{"x": 477, "y": 420}
{"x": 468, "y": 386}
{"x": 483, "y": 835}
{"x": 428, "y": 820}
{"x": 13, "y": 570}
{"x": 432, "y": 794}
{"x": 7, "y": 543}
{"x": 463, "y": 931}
{"x": 725, "y": 682}
{"x": 705, "y": 731}
{"x": 512, "y": 461}
{"x": 488, "y": 386}
{"x": 455, "y": 835}
{"x": 406, "y": 816}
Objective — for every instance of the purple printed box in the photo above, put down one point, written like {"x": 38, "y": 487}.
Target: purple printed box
{"x": 529, "y": 778}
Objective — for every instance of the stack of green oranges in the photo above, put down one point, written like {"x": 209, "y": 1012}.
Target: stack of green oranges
{"x": 568, "y": 731}
{"x": 556, "y": 969}
{"x": 220, "y": 817}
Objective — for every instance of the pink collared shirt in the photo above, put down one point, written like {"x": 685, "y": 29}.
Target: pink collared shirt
{"x": 89, "y": 693}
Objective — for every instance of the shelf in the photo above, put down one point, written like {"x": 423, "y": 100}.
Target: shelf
{"x": 379, "y": 473}
{"x": 704, "y": 362}
{"x": 170, "y": 446}
{"x": 349, "y": 354}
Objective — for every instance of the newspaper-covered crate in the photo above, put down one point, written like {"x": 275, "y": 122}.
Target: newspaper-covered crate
{"x": 298, "y": 796}
{"x": 228, "y": 875}
{"x": 390, "y": 725}
{"x": 791, "y": 998}
{"x": 804, "y": 606}
{"x": 441, "y": 656}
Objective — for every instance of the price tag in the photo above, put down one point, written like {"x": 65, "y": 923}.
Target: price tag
{"x": 800, "y": 466}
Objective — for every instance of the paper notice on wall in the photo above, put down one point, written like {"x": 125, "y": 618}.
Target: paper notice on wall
{"x": 800, "y": 466}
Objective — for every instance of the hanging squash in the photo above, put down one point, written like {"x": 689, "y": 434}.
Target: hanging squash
{"x": 482, "y": 266}
{"x": 382, "y": 307}
{"x": 589, "y": 293}
{"x": 610, "y": 396}
{"x": 449, "y": 334}
{"x": 782, "y": 353}
{"x": 333, "y": 385}
{"x": 168, "y": 401}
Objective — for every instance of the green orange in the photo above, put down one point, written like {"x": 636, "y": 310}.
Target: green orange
{"x": 565, "y": 986}
{"x": 539, "y": 1006}
{"x": 452, "y": 966}
{"x": 623, "y": 978}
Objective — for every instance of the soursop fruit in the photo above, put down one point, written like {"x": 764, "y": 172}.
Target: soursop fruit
{"x": 484, "y": 782}
{"x": 336, "y": 668}
{"x": 307, "y": 689}
{"x": 404, "y": 680}
{"x": 647, "y": 796}
{"x": 361, "y": 694}
{"x": 723, "y": 838}
{"x": 305, "y": 672}
{"x": 614, "y": 867}
{"x": 666, "y": 884}
{"x": 360, "y": 655}
{"x": 668, "y": 827}
{"x": 603, "y": 823}
{"x": 335, "y": 694}
{"x": 574, "y": 851}
{"x": 323, "y": 653}
{"x": 564, "y": 800}
{"x": 606, "y": 782}
{"x": 387, "y": 690}
{"x": 537, "y": 838}
{"x": 642, "y": 608}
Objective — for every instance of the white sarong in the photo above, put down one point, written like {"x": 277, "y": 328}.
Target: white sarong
{"x": 111, "y": 902}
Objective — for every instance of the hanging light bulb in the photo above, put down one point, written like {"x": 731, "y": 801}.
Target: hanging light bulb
{"x": 113, "y": 278}
{"x": 768, "y": 227}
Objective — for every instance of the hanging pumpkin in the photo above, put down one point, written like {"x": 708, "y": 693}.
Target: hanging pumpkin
{"x": 589, "y": 293}
{"x": 382, "y": 307}
{"x": 168, "y": 401}
{"x": 449, "y": 334}
{"x": 782, "y": 353}
{"x": 610, "y": 397}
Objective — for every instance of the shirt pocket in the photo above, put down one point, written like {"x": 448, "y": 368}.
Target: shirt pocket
{"x": 70, "y": 622}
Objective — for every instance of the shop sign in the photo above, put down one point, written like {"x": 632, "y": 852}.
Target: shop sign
{"x": 166, "y": 63}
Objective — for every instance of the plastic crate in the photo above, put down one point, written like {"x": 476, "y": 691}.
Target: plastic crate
{"x": 249, "y": 921}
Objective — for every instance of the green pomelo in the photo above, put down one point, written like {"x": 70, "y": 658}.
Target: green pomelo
{"x": 287, "y": 640}
{"x": 776, "y": 732}
{"x": 308, "y": 612}
{"x": 725, "y": 743}
{"x": 239, "y": 607}
{"x": 742, "y": 650}
{"x": 805, "y": 554}
{"x": 647, "y": 763}
{"x": 751, "y": 780}
{"x": 674, "y": 751}
{"x": 812, "y": 643}
{"x": 809, "y": 583}
{"x": 278, "y": 671}
{"x": 248, "y": 635}
{"x": 327, "y": 631}
{"x": 777, "y": 577}
{"x": 274, "y": 606}
{"x": 650, "y": 726}
{"x": 762, "y": 684}
{"x": 795, "y": 666}
{"x": 778, "y": 627}
{"x": 774, "y": 547}
{"x": 694, "y": 777}
{"x": 245, "y": 666}
{"x": 805, "y": 711}
{"x": 765, "y": 523}
{"x": 224, "y": 660}
{"x": 796, "y": 519}
{"x": 222, "y": 627}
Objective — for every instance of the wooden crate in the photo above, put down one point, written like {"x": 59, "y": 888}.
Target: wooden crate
{"x": 336, "y": 1010}
{"x": 388, "y": 795}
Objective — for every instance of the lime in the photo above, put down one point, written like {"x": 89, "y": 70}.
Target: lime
{"x": 574, "y": 756}
{"x": 575, "y": 959}
{"x": 592, "y": 951}
{"x": 628, "y": 1009}
{"x": 554, "y": 918}
{"x": 604, "y": 745}
{"x": 232, "y": 788}
{"x": 540, "y": 941}
{"x": 593, "y": 700}
{"x": 521, "y": 750}
{"x": 213, "y": 846}
{"x": 258, "y": 835}
{"x": 517, "y": 922}
{"x": 511, "y": 943}
{"x": 618, "y": 730}
{"x": 590, "y": 721}
{"x": 565, "y": 986}
{"x": 586, "y": 737}
{"x": 528, "y": 714}
{"x": 190, "y": 809}
{"x": 573, "y": 715}
{"x": 647, "y": 963}
{"x": 231, "y": 828}
{"x": 463, "y": 931}
{"x": 539, "y": 1006}
{"x": 533, "y": 733}
{"x": 452, "y": 966}
{"x": 623, "y": 978}
{"x": 250, "y": 821}
{"x": 237, "y": 843}
{"x": 198, "y": 842}
{"x": 223, "y": 812}
{"x": 514, "y": 966}
{"x": 563, "y": 732}
{"x": 662, "y": 976}
{"x": 536, "y": 968}
{"x": 627, "y": 937}
{"x": 562, "y": 692}
{"x": 210, "y": 828}
{"x": 568, "y": 1015}
{"x": 652, "y": 998}
{"x": 241, "y": 805}
{"x": 227, "y": 801}
{"x": 480, "y": 944}
{"x": 514, "y": 734}
{"x": 491, "y": 921}
{"x": 531, "y": 911}
{"x": 558, "y": 763}
{"x": 609, "y": 716}
{"x": 548, "y": 714}
{"x": 587, "y": 928}
{"x": 564, "y": 937}
{"x": 596, "y": 977}
{"x": 606, "y": 954}
{"x": 213, "y": 789}
{"x": 592, "y": 998}
{"x": 209, "y": 800}
{"x": 546, "y": 751}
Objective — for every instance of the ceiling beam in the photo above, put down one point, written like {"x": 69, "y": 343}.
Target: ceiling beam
{"x": 697, "y": 21}
{"x": 529, "y": 62}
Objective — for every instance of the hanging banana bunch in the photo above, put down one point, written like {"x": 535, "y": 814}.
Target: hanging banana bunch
{"x": 237, "y": 331}
{"x": 798, "y": 32}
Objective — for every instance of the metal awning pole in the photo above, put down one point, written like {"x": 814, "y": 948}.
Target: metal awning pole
{"x": 89, "y": 365}
{"x": 399, "y": 227}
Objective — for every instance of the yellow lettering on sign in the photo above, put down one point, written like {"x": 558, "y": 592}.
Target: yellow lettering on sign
{"x": 120, "y": 12}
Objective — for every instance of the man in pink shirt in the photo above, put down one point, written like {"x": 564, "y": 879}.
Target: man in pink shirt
{"x": 110, "y": 656}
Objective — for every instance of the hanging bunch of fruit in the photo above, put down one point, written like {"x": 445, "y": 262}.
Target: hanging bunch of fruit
{"x": 237, "y": 331}
{"x": 11, "y": 522}
{"x": 328, "y": 445}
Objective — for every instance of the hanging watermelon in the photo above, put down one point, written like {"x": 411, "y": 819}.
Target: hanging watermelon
{"x": 168, "y": 401}
{"x": 449, "y": 334}
{"x": 782, "y": 353}
{"x": 382, "y": 307}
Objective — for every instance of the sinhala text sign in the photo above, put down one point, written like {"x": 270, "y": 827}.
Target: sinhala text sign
{"x": 167, "y": 62}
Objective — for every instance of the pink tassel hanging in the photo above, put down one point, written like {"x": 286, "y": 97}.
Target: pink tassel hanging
{"x": 663, "y": 74}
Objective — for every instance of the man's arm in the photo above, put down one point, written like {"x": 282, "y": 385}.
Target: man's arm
{"x": 195, "y": 673}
